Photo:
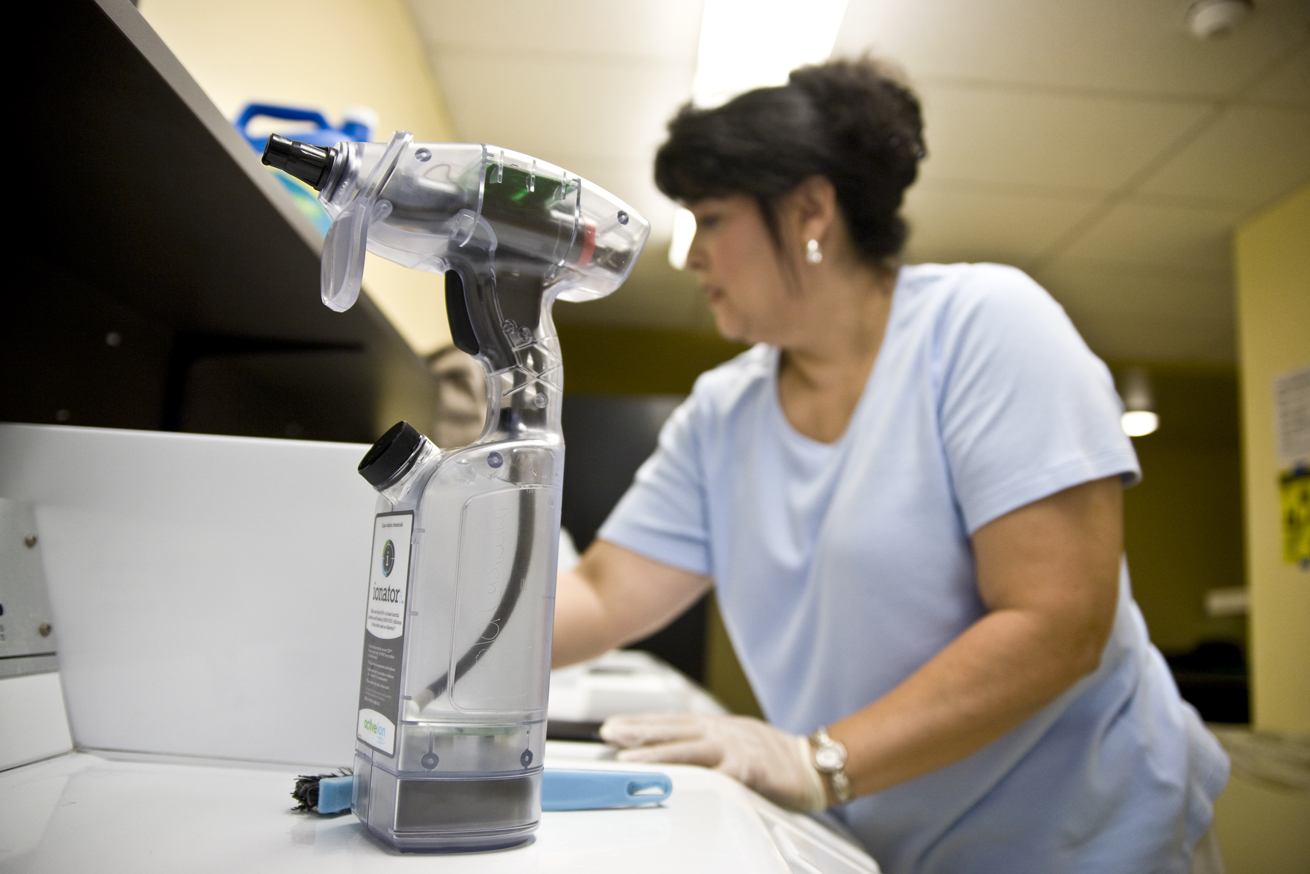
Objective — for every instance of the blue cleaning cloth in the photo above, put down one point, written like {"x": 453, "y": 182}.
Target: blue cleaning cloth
{"x": 561, "y": 789}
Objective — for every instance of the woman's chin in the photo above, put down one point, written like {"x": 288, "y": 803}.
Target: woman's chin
{"x": 730, "y": 329}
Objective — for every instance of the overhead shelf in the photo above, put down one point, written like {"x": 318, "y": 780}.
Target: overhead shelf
{"x": 143, "y": 205}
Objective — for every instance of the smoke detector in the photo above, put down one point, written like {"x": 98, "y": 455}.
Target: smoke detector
{"x": 1207, "y": 19}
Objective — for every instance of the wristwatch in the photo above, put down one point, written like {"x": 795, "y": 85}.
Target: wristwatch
{"x": 829, "y": 759}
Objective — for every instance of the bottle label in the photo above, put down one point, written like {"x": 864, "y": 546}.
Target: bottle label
{"x": 384, "y": 631}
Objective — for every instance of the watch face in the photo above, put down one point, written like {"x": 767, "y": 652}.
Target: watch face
{"x": 828, "y": 759}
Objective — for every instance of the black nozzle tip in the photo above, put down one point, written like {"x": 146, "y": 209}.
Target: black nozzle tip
{"x": 387, "y": 456}
{"x": 309, "y": 164}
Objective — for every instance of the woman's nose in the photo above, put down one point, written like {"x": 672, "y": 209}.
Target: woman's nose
{"x": 695, "y": 254}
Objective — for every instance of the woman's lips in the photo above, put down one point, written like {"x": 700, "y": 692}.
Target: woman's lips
{"x": 712, "y": 293}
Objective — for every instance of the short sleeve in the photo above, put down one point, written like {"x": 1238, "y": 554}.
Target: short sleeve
{"x": 663, "y": 515}
{"x": 1026, "y": 409}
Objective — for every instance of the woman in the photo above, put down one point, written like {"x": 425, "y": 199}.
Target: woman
{"x": 907, "y": 497}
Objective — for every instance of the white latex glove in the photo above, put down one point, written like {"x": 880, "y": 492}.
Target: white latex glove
{"x": 773, "y": 763}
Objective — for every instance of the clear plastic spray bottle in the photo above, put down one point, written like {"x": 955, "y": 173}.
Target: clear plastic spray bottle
{"x": 452, "y": 702}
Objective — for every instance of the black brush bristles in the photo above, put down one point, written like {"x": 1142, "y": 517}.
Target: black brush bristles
{"x": 306, "y": 791}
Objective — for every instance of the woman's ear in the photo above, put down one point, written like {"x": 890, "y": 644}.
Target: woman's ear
{"x": 812, "y": 210}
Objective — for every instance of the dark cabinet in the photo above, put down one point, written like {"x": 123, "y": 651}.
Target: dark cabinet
{"x": 162, "y": 279}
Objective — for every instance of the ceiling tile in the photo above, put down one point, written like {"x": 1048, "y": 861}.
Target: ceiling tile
{"x": 1289, "y": 84}
{"x": 562, "y": 103}
{"x": 1131, "y": 292}
{"x": 1127, "y": 314}
{"x": 609, "y": 138}
{"x": 1121, "y": 45}
{"x": 949, "y": 223}
{"x": 1148, "y": 234}
{"x": 1072, "y": 142}
{"x": 1036, "y": 112}
{"x": 1154, "y": 337}
{"x": 633, "y": 28}
{"x": 1249, "y": 156}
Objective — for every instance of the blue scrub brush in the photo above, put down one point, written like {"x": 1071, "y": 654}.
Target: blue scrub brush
{"x": 324, "y": 793}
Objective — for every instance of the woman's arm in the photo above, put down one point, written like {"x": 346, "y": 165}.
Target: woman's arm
{"x": 615, "y": 596}
{"x": 1048, "y": 573}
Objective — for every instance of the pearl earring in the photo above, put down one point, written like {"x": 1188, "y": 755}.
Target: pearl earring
{"x": 812, "y": 253}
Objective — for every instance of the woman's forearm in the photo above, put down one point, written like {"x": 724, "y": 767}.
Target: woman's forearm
{"x": 615, "y": 596}
{"x": 1001, "y": 671}
{"x": 580, "y": 621}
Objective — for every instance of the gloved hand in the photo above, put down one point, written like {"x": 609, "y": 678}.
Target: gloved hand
{"x": 773, "y": 763}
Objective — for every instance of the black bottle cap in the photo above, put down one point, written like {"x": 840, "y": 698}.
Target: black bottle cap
{"x": 389, "y": 454}
{"x": 309, "y": 164}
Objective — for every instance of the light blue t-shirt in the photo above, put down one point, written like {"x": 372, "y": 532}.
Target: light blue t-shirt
{"x": 842, "y": 568}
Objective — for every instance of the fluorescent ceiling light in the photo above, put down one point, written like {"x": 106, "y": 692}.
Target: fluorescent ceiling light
{"x": 747, "y": 44}
{"x": 684, "y": 228}
{"x": 1139, "y": 423}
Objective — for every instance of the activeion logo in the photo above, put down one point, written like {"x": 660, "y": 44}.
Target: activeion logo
{"x": 388, "y": 558}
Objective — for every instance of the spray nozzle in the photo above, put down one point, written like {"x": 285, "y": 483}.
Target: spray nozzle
{"x": 510, "y": 234}
{"x": 310, "y": 164}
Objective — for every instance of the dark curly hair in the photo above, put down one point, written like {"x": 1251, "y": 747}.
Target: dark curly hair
{"x": 849, "y": 121}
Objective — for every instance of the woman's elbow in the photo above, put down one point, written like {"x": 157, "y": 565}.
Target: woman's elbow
{"x": 1086, "y": 639}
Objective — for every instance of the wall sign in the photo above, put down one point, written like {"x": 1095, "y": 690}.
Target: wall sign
{"x": 1292, "y": 412}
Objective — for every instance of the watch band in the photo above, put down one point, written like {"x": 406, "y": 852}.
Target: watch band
{"x": 829, "y": 758}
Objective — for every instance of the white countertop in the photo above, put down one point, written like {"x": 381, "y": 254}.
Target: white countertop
{"x": 84, "y": 812}
{"x": 208, "y": 679}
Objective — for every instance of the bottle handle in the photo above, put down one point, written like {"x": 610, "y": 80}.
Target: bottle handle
{"x": 282, "y": 113}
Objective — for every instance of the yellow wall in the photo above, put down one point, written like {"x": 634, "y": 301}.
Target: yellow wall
{"x": 617, "y": 360}
{"x": 1183, "y": 522}
{"x": 327, "y": 55}
{"x": 1273, "y": 319}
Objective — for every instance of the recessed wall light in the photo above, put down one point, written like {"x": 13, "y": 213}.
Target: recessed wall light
{"x": 1139, "y": 423}
{"x": 1139, "y": 416}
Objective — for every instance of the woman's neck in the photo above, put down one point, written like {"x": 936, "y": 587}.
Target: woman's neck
{"x": 823, "y": 371}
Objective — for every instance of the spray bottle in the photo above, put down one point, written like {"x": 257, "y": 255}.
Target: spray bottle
{"x": 452, "y": 705}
